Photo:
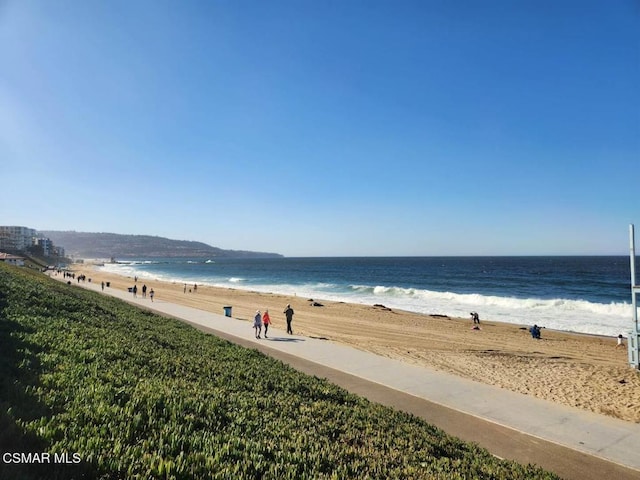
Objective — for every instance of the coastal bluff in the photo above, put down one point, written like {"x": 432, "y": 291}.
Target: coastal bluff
{"x": 108, "y": 245}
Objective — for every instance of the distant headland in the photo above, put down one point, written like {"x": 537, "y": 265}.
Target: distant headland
{"x": 113, "y": 245}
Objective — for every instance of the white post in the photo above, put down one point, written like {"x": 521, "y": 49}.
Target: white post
{"x": 634, "y": 335}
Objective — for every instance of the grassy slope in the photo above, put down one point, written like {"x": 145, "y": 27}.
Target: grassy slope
{"x": 137, "y": 395}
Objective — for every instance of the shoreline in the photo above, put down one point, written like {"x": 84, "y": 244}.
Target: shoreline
{"x": 150, "y": 279}
{"x": 573, "y": 310}
{"x": 575, "y": 369}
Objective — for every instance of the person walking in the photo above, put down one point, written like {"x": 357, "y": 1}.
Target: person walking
{"x": 144, "y": 291}
{"x": 266, "y": 321}
{"x": 135, "y": 291}
{"x": 288, "y": 313}
{"x": 151, "y": 293}
{"x": 257, "y": 323}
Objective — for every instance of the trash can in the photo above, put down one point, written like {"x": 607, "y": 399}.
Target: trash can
{"x": 227, "y": 311}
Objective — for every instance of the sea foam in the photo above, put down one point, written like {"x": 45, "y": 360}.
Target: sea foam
{"x": 557, "y": 313}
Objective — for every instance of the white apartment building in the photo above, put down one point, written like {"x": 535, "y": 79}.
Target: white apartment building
{"x": 16, "y": 238}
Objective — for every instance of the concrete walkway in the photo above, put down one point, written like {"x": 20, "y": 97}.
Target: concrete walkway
{"x": 570, "y": 442}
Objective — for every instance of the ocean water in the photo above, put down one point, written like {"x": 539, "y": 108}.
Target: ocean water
{"x": 579, "y": 294}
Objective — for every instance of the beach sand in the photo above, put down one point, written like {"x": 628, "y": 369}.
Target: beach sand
{"x": 577, "y": 370}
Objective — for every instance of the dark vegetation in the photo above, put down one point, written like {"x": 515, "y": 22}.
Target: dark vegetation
{"x": 136, "y": 395}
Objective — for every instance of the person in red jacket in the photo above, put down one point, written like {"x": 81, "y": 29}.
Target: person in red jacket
{"x": 266, "y": 321}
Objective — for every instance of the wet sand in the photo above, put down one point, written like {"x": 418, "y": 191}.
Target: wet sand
{"x": 577, "y": 370}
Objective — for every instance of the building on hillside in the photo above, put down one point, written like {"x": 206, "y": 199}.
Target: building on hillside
{"x": 21, "y": 239}
{"x": 46, "y": 245}
{"x": 16, "y": 238}
{"x": 11, "y": 259}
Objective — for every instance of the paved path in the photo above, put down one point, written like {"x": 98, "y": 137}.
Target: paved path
{"x": 570, "y": 442}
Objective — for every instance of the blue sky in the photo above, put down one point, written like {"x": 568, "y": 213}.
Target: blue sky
{"x": 319, "y": 128}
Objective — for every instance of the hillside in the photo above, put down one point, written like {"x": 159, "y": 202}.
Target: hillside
{"x": 108, "y": 245}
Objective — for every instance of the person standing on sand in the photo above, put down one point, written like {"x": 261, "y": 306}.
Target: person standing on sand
{"x": 266, "y": 321}
{"x": 257, "y": 323}
{"x": 103, "y": 286}
{"x": 288, "y": 312}
{"x": 535, "y": 332}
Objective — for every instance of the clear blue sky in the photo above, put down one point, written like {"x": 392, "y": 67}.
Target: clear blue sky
{"x": 318, "y": 128}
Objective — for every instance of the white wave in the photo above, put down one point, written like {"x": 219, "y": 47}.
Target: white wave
{"x": 478, "y": 300}
{"x": 557, "y": 313}
{"x": 130, "y": 270}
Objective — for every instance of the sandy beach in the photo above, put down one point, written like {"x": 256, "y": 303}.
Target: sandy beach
{"x": 582, "y": 371}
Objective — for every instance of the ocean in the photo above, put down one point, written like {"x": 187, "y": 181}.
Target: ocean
{"x": 577, "y": 294}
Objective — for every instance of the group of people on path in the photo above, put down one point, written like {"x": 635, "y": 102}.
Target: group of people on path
{"x": 134, "y": 290}
{"x": 263, "y": 319}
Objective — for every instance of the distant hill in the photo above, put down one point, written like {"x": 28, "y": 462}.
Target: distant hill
{"x": 108, "y": 245}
